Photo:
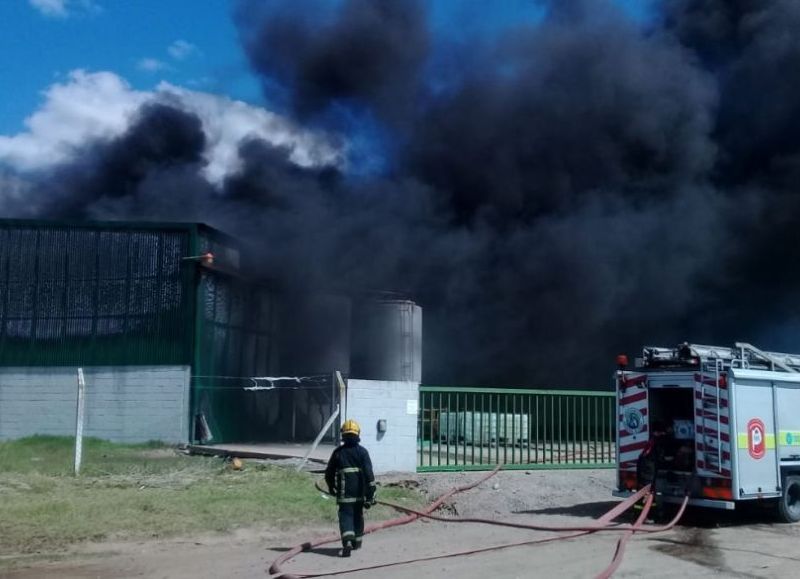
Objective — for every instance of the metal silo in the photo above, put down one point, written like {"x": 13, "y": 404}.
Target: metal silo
{"x": 387, "y": 341}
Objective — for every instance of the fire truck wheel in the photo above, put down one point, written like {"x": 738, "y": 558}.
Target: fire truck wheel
{"x": 789, "y": 503}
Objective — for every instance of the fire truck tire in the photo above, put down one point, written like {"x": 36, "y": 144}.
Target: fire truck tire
{"x": 789, "y": 503}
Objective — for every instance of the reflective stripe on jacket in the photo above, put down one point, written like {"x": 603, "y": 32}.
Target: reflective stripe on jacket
{"x": 349, "y": 474}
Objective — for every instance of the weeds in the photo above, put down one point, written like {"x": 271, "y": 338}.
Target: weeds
{"x": 140, "y": 491}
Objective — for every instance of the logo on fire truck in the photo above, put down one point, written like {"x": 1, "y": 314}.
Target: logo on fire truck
{"x": 756, "y": 439}
{"x": 634, "y": 420}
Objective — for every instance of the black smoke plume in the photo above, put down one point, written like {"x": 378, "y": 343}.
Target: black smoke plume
{"x": 551, "y": 195}
{"x": 365, "y": 52}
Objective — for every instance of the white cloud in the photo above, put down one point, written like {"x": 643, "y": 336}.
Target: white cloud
{"x": 227, "y": 122}
{"x": 56, "y": 8}
{"x": 151, "y": 65}
{"x": 62, "y": 8}
{"x": 100, "y": 106}
{"x": 86, "y": 107}
{"x": 181, "y": 50}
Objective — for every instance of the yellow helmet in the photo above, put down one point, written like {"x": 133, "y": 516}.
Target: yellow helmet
{"x": 350, "y": 426}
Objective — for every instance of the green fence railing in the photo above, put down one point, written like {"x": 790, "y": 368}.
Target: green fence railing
{"x": 479, "y": 428}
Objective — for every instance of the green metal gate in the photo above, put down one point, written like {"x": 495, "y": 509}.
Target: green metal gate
{"x": 479, "y": 428}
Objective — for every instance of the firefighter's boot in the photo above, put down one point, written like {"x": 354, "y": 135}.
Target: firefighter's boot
{"x": 346, "y": 548}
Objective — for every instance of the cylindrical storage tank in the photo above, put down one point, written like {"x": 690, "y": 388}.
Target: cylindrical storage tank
{"x": 314, "y": 334}
{"x": 387, "y": 341}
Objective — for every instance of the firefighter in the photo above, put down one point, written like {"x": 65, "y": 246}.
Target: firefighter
{"x": 349, "y": 478}
{"x": 653, "y": 457}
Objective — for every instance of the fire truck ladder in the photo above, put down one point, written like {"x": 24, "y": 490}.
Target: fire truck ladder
{"x": 742, "y": 355}
{"x": 711, "y": 422}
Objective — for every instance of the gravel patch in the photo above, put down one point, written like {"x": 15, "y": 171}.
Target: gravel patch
{"x": 515, "y": 492}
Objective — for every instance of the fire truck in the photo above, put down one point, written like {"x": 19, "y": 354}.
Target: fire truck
{"x": 728, "y": 421}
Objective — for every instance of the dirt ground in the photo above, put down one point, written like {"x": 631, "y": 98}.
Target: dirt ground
{"x": 706, "y": 544}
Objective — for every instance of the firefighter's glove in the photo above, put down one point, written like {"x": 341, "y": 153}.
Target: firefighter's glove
{"x": 331, "y": 491}
{"x": 369, "y": 503}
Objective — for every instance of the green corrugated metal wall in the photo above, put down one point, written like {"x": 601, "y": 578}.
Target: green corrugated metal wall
{"x": 234, "y": 326}
{"x": 95, "y": 294}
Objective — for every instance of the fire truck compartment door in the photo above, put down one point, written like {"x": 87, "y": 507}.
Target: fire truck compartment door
{"x": 755, "y": 438}
{"x": 788, "y": 404}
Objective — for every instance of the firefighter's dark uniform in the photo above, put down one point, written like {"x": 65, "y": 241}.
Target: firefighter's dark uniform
{"x": 658, "y": 454}
{"x": 647, "y": 466}
{"x": 654, "y": 457}
{"x": 349, "y": 478}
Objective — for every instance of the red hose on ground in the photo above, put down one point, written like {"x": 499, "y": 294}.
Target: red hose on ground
{"x": 623, "y": 540}
{"x": 638, "y": 527}
{"x": 275, "y": 567}
{"x": 556, "y": 528}
{"x": 603, "y": 524}
{"x": 607, "y": 518}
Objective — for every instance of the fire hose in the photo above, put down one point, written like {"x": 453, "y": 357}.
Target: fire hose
{"x": 623, "y": 540}
{"x": 275, "y": 567}
{"x": 605, "y": 523}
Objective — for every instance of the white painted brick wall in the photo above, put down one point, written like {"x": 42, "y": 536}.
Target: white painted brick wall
{"x": 371, "y": 400}
{"x": 123, "y": 403}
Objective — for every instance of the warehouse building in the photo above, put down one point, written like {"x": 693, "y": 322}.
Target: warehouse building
{"x": 179, "y": 343}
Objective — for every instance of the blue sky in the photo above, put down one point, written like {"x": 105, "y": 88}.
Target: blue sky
{"x": 117, "y": 35}
{"x": 43, "y": 40}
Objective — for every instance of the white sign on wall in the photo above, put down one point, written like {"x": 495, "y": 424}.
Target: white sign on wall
{"x": 412, "y": 406}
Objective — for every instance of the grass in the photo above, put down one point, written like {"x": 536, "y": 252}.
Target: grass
{"x": 145, "y": 491}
